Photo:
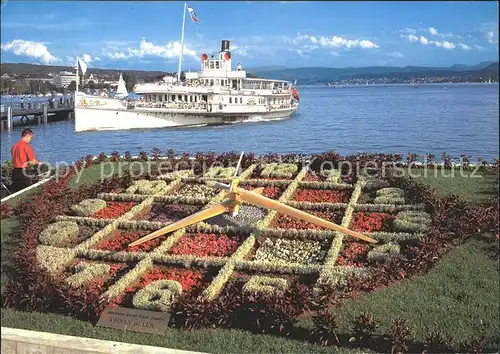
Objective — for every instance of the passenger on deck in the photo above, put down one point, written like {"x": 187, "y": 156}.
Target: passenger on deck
{"x": 22, "y": 155}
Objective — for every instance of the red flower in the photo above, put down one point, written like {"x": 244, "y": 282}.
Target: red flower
{"x": 206, "y": 245}
{"x": 314, "y": 178}
{"x": 354, "y": 254}
{"x": 188, "y": 279}
{"x": 6, "y": 212}
{"x": 371, "y": 222}
{"x": 114, "y": 210}
{"x": 99, "y": 284}
{"x": 119, "y": 241}
{"x": 272, "y": 192}
{"x": 322, "y": 195}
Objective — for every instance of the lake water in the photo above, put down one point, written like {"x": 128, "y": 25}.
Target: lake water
{"x": 461, "y": 118}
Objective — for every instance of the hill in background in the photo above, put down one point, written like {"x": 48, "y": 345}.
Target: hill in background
{"x": 304, "y": 75}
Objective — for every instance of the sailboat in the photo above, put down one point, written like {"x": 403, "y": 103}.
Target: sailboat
{"x": 121, "y": 90}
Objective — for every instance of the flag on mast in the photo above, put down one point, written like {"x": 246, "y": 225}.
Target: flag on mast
{"x": 82, "y": 65}
{"x": 193, "y": 14}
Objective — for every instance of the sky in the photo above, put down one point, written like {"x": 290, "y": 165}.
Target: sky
{"x": 146, "y": 35}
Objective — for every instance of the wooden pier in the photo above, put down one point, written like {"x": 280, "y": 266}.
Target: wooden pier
{"x": 38, "y": 112}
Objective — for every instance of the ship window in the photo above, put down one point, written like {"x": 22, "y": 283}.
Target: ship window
{"x": 217, "y": 64}
{"x": 241, "y": 99}
{"x": 217, "y": 83}
{"x": 211, "y": 64}
{"x": 230, "y": 100}
{"x": 274, "y": 99}
{"x": 161, "y": 98}
{"x": 211, "y": 82}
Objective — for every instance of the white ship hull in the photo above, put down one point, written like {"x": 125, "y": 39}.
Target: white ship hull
{"x": 216, "y": 95}
{"x": 113, "y": 116}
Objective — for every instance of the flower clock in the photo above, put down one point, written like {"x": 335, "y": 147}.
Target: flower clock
{"x": 267, "y": 253}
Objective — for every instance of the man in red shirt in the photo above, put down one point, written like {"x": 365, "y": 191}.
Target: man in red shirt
{"x": 22, "y": 155}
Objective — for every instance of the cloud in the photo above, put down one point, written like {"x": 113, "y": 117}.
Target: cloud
{"x": 490, "y": 36}
{"x": 89, "y": 59}
{"x": 410, "y": 34}
{"x": 444, "y": 44}
{"x": 32, "y": 49}
{"x": 340, "y": 42}
{"x": 70, "y": 61}
{"x": 117, "y": 55}
{"x": 300, "y": 52}
{"x": 239, "y": 50}
{"x": 464, "y": 46}
{"x": 408, "y": 30}
{"x": 171, "y": 50}
{"x": 424, "y": 40}
{"x": 434, "y": 32}
{"x": 396, "y": 54}
{"x": 412, "y": 38}
{"x": 440, "y": 44}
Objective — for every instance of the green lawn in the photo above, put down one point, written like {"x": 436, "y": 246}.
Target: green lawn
{"x": 474, "y": 187}
{"x": 212, "y": 341}
{"x": 459, "y": 296}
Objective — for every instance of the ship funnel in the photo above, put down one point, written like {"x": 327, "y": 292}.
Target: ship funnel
{"x": 224, "y": 47}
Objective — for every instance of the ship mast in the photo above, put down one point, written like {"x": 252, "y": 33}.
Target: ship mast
{"x": 77, "y": 76}
{"x": 182, "y": 42}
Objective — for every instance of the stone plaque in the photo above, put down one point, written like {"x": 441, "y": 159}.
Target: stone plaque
{"x": 134, "y": 320}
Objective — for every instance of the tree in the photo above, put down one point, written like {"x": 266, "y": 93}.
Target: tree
{"x": 72, "y": 86}
{"x": 20, "y": 87}
{"x": 130, "y": 81}
{"x": 6, "y": 84}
